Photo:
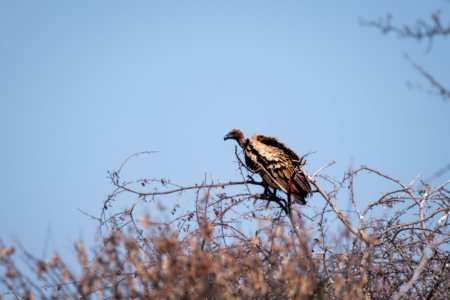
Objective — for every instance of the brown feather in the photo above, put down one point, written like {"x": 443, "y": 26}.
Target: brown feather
{"x": 279, "y": 161}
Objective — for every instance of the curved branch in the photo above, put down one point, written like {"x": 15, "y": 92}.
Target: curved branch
{"x": 194, "y": 187}
{"x": 411, "y": 223}
{"x": 326, "y": 166}
{"x": 360, "y": 233}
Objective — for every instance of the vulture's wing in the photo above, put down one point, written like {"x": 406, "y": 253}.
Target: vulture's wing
{"x": 270, "y": 141}
{"x": 278, "y": 159}
{"x": 274, "y": 159}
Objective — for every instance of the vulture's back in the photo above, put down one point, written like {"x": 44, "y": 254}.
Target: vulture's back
{"x": 279, "y": 161}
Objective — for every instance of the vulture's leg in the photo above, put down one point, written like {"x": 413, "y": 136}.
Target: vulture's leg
{"x": 283, "y": 207}
{"x": 267, "y": 193}
{"x": 274, "y": 193}
{"x": 272, "y": 196}
{"x": 250, "y": 177}
{"x": 278, "y": 201}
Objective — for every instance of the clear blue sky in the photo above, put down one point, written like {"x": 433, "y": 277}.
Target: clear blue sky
{"x": 85, "y": 84}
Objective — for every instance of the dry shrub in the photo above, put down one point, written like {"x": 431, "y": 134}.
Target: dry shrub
{"x": 203, "y": 253}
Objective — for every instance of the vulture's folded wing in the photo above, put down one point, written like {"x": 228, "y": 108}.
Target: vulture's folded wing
{"x": 273, "y": 159}
{"x": 273, "y": 142}
{"x": 278, "y": 160}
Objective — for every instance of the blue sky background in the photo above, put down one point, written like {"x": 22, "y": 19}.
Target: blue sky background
{"x": 85, "y": 84}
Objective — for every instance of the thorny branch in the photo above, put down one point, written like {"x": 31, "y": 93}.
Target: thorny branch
{"x": 420, "y": 30}
{"x": 204, "y": 250}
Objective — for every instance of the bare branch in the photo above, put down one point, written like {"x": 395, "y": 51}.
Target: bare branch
{"x": 326, "y": 166}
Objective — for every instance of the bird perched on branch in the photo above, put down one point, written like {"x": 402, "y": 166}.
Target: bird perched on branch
{"x": 274, "y": 162}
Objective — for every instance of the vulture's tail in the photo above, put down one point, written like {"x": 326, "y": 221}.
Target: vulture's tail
{"x": 300, "y": 189}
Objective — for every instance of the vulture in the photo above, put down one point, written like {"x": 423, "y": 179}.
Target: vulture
{"x": 262, "y": 152}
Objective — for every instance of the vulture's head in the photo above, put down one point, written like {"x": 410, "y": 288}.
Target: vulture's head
{"x": 236, "y": 134}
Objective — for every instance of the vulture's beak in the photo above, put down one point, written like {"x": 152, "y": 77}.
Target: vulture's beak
{"x": 226, "y": 137}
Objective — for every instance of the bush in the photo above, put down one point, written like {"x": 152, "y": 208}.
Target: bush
{"x": 204, "y": 254}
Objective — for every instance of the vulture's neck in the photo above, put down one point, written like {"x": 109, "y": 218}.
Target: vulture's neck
{"x": 242, "y": 142}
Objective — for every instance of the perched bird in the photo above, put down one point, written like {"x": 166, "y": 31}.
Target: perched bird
{"x": 274, "y": 162}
